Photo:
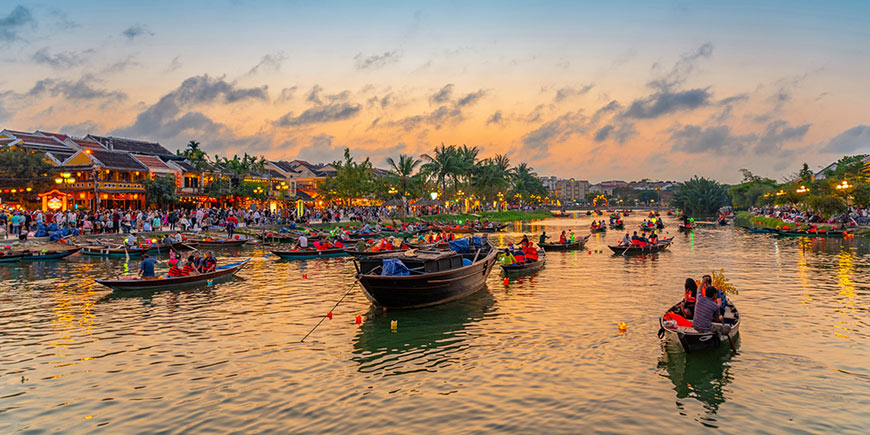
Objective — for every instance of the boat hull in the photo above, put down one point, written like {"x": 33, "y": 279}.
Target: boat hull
{"x": 307, "y": 255}
{"x": 637, "y": 250}
{"x": 689, "y": 340}
{"x": 48, "y": 255}
{"x": 525, "y": 268}
{"x": 100, "y": 251}
{"x": 418, "y": 291}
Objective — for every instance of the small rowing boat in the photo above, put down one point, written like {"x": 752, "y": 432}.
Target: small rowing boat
{"x": 527, "y": 267}
{"x": 161, "y": 283}
{"x": 565, "y": 246}
{"x": 812, "y": 233}
{"x": 686, "y": 227}
{"x": 305, "y": 254}
{"x": 688, "y": 339}
{"x": 105, "y": 251}
{"x": 760, "y": 230}
{"x": 48, "y": 254}
{"x": 601, "y": 229}
{"x": 212, "y": 243}
{"x": 10, "y": 257}
{"x": 635, "y": 249}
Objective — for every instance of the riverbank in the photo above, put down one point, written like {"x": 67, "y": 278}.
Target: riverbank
{"x": 747, "y": 219}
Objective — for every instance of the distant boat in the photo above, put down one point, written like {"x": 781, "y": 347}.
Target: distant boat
{"x": 222, "y": 272}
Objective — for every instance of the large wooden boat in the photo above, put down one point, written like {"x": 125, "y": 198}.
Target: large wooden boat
{"x": 161, "y": 283}
{"x": 635, "y": 249}
{"x": 687, "y": 339}
{"x": 305, "y": 254}
{"x": 435, "y": 277}
{"x": 160, "y": 248}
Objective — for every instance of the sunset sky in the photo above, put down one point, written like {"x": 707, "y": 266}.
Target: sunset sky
{"x": 626, "y": 90}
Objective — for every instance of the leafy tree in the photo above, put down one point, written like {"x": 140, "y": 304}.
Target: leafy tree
{"x": 441, "y": 166}
{"x": 490, "y": 177}
{"x": 645, "y": 196}
{"x": 752, "y": 190}
{"x": 352, "y": 180}
{"x": 700, "y": 197}
{"x": 160, "y": 191}
{"x": 22, "y": 165}
{"x": 526, "y": 182}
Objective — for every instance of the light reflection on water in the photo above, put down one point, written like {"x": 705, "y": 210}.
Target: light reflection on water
{"x": 542, "y": 354}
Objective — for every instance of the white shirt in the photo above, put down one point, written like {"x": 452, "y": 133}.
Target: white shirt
{"x": 303, "y": 242}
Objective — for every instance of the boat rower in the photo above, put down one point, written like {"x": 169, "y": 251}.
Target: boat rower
{"x": 626, "y": 240}
{"x": 543, "y": 238}
{"x": 563, "y": 239}
{"x": 146, "y": 268}
{"x": 209, "y": 262}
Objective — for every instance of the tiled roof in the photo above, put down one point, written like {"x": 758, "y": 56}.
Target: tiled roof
{"x": 183, "y": 165}
{"x": 58, "y": 136}
{"x": 117, "y": 160}
{"x": 43, "y": 143}
{"x": 130, "y": 145}
{"x": 89, "y": 144}
{"x": 276, "y": 174}
{"x": 153, "y": 163}
{"x": 284, "y": 165}
{"x": 59, "y": 156}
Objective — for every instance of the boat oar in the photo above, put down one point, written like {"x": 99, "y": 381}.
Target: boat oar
{"x": 733, "y": 349}
{"x": 352, "y": 286}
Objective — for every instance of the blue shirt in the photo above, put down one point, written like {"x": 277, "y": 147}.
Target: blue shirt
{"x": 147, "y": 266}
{"x": 705, "y": 310}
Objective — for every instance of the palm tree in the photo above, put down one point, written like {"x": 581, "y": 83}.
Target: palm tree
{"x": 700, "y": 196}
{"x": 403, "y": 169}
{"x": 441, "y": 166}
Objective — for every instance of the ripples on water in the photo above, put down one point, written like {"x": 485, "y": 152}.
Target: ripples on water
{"x": 543, "y": 354}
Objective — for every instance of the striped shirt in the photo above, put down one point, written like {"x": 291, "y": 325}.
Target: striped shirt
{"x": 705, "y": 310}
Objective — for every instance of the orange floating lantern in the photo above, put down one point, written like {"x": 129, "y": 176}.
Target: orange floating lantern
{"x": 329, "y": 315}
{"x": 507, "y": 282}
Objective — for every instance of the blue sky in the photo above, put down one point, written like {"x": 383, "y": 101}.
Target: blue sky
{"x": 627, "y": 89}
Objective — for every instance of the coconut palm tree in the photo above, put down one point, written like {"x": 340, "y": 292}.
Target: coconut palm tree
{"x": 403, "y": 169}
{"x": 441, "y": 166}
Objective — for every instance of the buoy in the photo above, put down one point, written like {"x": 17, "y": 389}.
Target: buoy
{"x": 359, "y": 320}
{"x": 394, "y": 324}
{"x": 304, "y": 276}
{"x": 622, "y": 326}
{"x": 329, "y": 315}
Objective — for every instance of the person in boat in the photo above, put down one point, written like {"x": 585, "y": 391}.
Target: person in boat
{"x": 543, "y": 238}
{"x": 707, "y": 281}
{"x": 302, "y": 242}
{"x": 361, "y": 245}
{"x": 518, "y": 254}
{"x": 525, "y": 242}
{"x": 653, "y": 239}
{"x": 406, "y": 244}
{"x": 571, "y": 237}
{"x": 507, "y": 258}
{"x": 634, "y": 237}
{"x": 690, "y": 294}
{"x": 198, "y": 262}
{"x": 146, "y": 268}
{"x": 563, "y": 239}
{"x": 209, "y": 262}
{"x": 231, "y": 226}
{"x": 177, "y": 238}
{"x": 189, "y": 267}
{"x": 130, "y": 241}
{"x": 174, "y": 271}
{"x": 707, "y": 312}
{"x": 626, "y": 240}
{"x": 366, "y": 229}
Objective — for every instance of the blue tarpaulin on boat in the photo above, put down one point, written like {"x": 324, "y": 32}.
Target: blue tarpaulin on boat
{"x": 394, "y": 267}
{"x": 466, "y": 245}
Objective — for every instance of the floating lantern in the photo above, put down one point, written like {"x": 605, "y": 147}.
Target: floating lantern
{"x": 359, "y": 320}
{"x": 394, "y": 324}
{"x": 329, "y": 315}
{"x": 304, "y": 276}
{"x": 622, "y": 326}
{"x": 507, "y": 282}
{"x": 210, "y": 283}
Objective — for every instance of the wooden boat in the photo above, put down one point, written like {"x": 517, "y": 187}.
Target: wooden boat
{"x": 811, "y": 233}
{"x": 645, "y": 228}
{"x": 48, "y": 254}
{"x": 105, "y": 251}
{"x": 161, "y": 248}
{"x": 305, "y": 254}
{"x": 565, "y": 246}
{"x": 601, "y": 229}
{"x": 458, "y": 230}
{"x": 527, "y": 267}
{"x": 354, "y": 253}
{"x": 493, "y": 229}
{"x": 688, "y": 339}
{"x": 760, "y": 230}
{"x": 722, "y": 221}
{"x": 213, "y": 243}
{"x": 634, "y": 249}
{"x": 10, "y": 257}
{"x": 686, "y": 227}
{"x": 617, "y": 226}
{"x": 222, "y": 272}
{"x": 436, "y": 277}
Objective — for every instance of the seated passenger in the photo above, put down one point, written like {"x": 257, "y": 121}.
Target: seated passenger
{"x": 707, "y": 312}
{"x": 690, "y": 293}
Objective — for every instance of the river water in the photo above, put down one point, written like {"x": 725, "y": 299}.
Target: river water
{"x": 542, "y": 354}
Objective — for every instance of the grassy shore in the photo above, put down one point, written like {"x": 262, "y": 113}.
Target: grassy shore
{"x": 495, "y": 216}
{"x": 747, "y": 219}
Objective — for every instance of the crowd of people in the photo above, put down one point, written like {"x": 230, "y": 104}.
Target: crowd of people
{"x": 854, "y": 216}
{"x": 524, "y": 253}
{"x": 196, "y": 264}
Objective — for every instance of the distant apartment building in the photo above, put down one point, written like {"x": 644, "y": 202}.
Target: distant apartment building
{"x": 571, "y": 190}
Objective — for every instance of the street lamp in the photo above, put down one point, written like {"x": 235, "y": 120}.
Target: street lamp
{"x": 843, "y": 185}
{"x": 802, "y": 189}
{"x": 433, "y": 195}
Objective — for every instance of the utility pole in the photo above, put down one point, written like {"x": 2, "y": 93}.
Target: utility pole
{"x": 96, "y": 188}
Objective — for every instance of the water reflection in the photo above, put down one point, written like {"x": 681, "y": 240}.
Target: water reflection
{"x": 700, "y": 376}
{"x": 424, "y": 339}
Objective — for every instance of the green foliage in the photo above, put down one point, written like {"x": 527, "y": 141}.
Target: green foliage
{"x": 645, "y": 196}
{"x": 19, "y": 164}
{"x": 526, "y": 183}
{"x": 700, "y": 197}
{"x": 751, "y": 192}
{"x": 402, "y": 172}
{"x": 160, "y": 191}
{"x": 491, "y": 177}
{"x": 352, "y": 180}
